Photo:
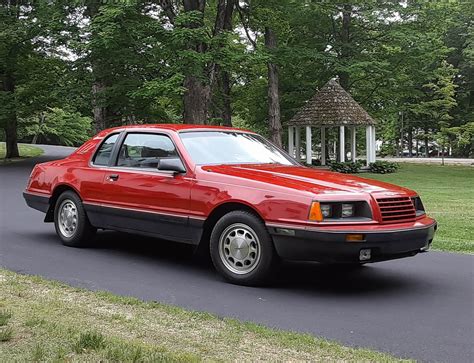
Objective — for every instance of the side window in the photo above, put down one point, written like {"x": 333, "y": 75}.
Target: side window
{"x": 145, "y": 150}
{"x": 102, "y": 155}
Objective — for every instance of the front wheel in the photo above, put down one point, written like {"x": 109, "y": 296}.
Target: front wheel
{"x": 242, "y": 249}
{"x": 70, "y": 221}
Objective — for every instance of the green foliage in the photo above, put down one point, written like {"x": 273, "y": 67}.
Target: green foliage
{"x": 383, "y": 167}
{"x": 348, "y": 167}
{"x": 460, "y": 138}
{"x": 409, "y": 64}
{"x": 58, "y": 125}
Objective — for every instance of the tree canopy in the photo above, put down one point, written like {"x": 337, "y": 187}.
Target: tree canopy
{"x": 68, "y": 69}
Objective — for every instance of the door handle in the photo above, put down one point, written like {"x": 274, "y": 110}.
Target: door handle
{"x": 113, "y": 177}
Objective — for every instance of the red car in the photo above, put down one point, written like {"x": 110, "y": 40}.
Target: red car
{"x": 230, "y": 190}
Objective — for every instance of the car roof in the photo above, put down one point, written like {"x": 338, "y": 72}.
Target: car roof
{"x": 175, "y": 127}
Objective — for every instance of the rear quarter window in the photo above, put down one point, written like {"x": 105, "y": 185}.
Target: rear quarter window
{"x": 103, "y": 154}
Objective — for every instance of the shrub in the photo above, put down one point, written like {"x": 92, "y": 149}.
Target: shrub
{"x": 383, "y": 167}
{"x": 348, "y": 167}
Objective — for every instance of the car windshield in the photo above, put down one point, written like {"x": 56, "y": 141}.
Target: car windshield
{"x": 223, "y": 147}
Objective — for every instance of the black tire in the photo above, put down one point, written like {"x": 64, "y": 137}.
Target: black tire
{"x": 264, "y": 260}
{"x": 83, "y": 233}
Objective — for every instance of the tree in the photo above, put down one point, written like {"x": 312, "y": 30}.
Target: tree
{"x": 26, "y": 30}
{"x": 274, "y": 118}
{"x": 199, "y": 38}
{"x": 267, "y": 19}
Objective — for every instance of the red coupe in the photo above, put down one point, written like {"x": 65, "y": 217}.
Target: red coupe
{"x": 228, "y": 190}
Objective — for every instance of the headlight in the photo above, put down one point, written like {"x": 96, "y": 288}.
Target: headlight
{"x": 334, "y": 211}
{"x": 419, "y": 207}
{"x": 326, "y": 210}
{"x": 347, "y": 210}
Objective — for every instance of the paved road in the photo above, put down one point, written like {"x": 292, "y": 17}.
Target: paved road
{"x": 419, "y": 307}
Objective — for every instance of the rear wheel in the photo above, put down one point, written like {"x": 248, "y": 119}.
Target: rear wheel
{"x": 242, "y": 249}
{"x": 70, "y": 221}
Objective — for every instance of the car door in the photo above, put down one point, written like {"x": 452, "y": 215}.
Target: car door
{"x": 92, "y": 179}
{"x": 141, "y": 198}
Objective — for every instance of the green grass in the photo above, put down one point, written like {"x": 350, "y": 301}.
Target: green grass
{"x": 6, "y": 334}
{"x": 26, "y": 151}
{"x": 4, "y": 317}
{"x": 50, "y": 321}
{"x": 448, "y": 195}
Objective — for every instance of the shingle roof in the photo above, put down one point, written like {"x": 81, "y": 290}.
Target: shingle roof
{"x": 331, "y": 106}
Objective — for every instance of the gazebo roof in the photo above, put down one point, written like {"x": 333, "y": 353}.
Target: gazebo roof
{"x": 332, "y": 105}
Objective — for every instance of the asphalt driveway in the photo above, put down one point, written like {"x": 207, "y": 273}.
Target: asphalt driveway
{"x": 420, "y": 307}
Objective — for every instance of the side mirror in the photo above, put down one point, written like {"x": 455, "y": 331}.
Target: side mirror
{"x": 171, "y": 164}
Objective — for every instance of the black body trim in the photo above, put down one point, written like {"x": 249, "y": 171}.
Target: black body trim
{"x": 325, "y": 246}
{"x": 170, "y": 227}
{"x": 37, "y": 202}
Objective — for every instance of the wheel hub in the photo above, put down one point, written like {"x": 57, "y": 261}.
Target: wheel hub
{"x": 239, "y": 248}
{"x": 67, "y": 218}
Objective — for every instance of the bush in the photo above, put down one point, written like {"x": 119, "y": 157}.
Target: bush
{"x": 348, "y": 167}
{"x": 383, "y": 167}
{"x": 56, "y": 125}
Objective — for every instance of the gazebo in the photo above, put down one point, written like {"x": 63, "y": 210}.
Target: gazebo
{"x": 331, "y": 106}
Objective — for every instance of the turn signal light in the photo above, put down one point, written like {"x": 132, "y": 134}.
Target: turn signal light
{"x": 354, "y": 238}
{"x": 315, "y": 212}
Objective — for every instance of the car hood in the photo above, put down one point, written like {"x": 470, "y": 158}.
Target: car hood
{"x": 312, "y": 180}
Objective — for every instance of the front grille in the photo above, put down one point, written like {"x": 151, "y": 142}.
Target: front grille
{"x": 395, "y": 210}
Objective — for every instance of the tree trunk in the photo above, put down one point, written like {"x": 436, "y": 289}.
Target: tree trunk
{"x": 198, "y": 91}
{"x": 11, "y": 138}
{"x": 345, "y": 46}
{"x": 427, "y": 152}
{"x": 225, "y": 10}
{"x": 410, "y": 141}
{"x": 227, "y": 108}
{"x": 196, "y": 101}
{"x": 397, "y": 147}
{"x": 402, "y": 135}
{"x": 11, "y": 124}
{"x": 98, "y": 108}
{"x": 274, "y": 117}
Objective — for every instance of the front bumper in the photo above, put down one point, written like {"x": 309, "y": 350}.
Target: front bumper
{"x": 331, "y": 246}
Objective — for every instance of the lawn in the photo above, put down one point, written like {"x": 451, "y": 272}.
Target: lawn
{"x": 26, "y": 151}
{"x": 448, "y": 195}
{"x": 42, "y": 320}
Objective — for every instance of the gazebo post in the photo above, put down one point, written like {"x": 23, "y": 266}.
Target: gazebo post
{"x": 353, "y": 143}
{"x": 373, "y": 147}
{"x": 291, "y": 140}
{"x": 323, "y": 146}
{"x": 368, "y": 143}
{"x": 298, "y": 143}
{"x": 342, "y": 144}
{"x": 309, "y": 146}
